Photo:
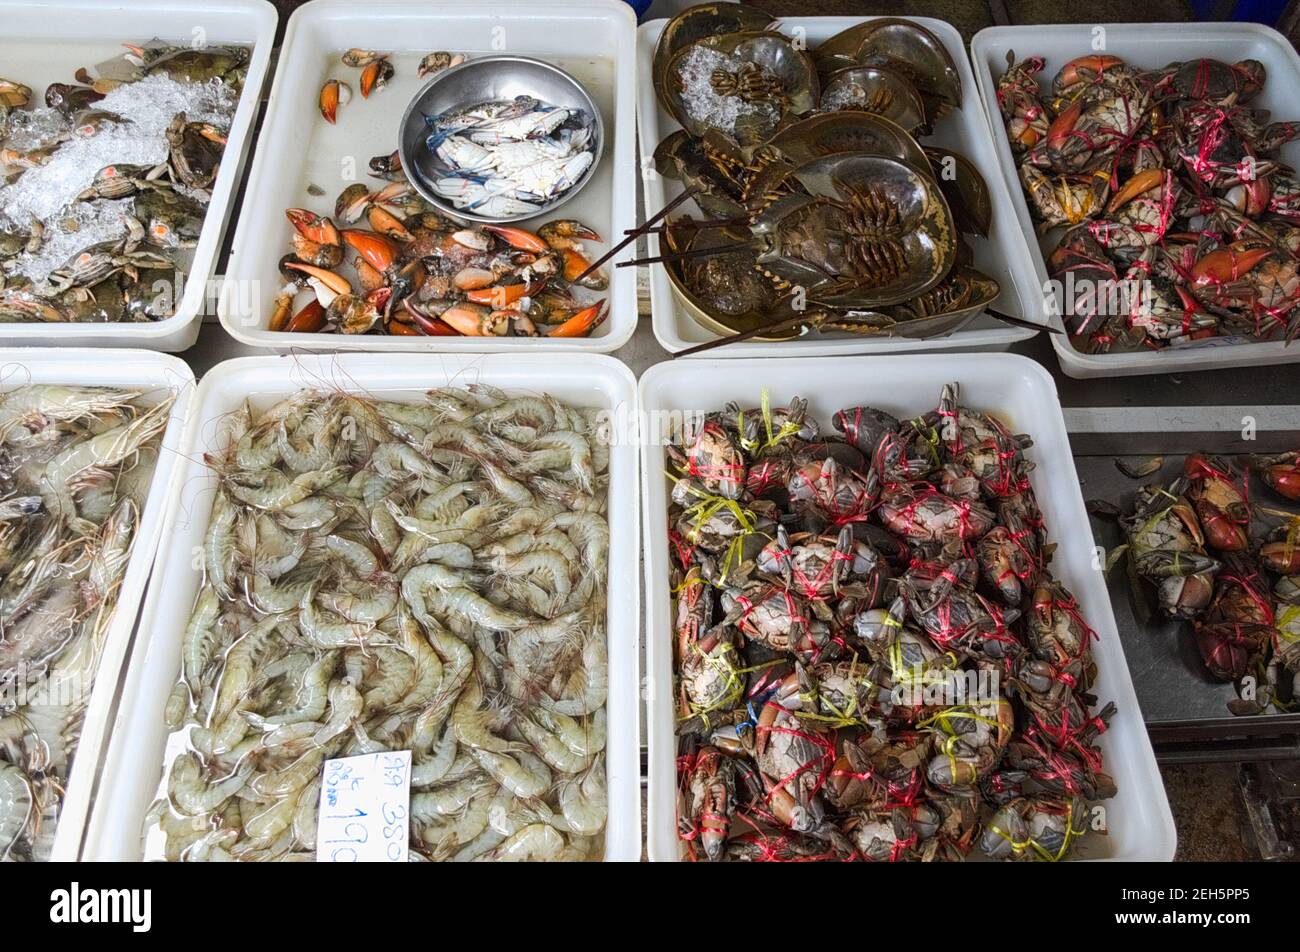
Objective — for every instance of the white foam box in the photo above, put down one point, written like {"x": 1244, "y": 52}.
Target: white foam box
{"x": 157, "y": 377}
{"x": 592, "y": 40}
{"x": 135, "y": 759}
{"x": 1151, "y": 46}
{"x": 1021, "y": 393}
{"x": 43, "y": 43}
{"x": 1002, "y": 256}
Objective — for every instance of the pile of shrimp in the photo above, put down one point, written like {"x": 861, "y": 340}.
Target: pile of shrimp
{"x": 388, "y": 576}
{"x": 75, "y": 468}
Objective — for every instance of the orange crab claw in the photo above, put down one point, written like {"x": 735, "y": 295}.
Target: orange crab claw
{"x": 377, "y": 251}
{"x": 309, "y": 320}
{"x": 1075, "y": 70}
{"x": 369, "y": 76}
{"x": 386, "y": 223}
{"x": 314, "y": 227}
{"x": 330, "y": 97}
{"x": 1141, "y": 182}
{"x": 1227, "y": 264}
{"x": 334, "y": 282}
{"x": 503, "y": 295}
{"x": 430, "y": 326}
{"x": 1064, "y": 124}
{"x": 582, "y": 323}
{"x": 518, "y": 238}
{"x": 475, "y": 320}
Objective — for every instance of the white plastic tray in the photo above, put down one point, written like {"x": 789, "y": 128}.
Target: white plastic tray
{"x": 594, "y": 40}
{"x": 1022, "y": 393}
{"x": 1002, "y": 255}
{"x": 135, "y": 757}
{"x": 1149, "y": 45}
{"x": 157, "y": 375}
{"x": 45, "y": 42}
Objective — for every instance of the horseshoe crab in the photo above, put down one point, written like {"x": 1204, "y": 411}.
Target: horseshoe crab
{"x": 900, "y": 45}
{"x": 742, "y": 84}
{"x": 878, "y": 90}
{"x": 964, "y": 188}
{"x": 871, "y": 231}
{"x": 698, "y": 23}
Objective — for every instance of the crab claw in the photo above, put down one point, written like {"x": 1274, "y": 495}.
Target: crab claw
{"x": 504, "y": 295}
{"x": 322, "y": 280}
{"x": 1282, "y": 557}
{"x": 1227, "y": 264}
{"x": 386, "y": 223}
{"x": 576, "y": 265}
{"x": 429, "y": 326}
{"x": 375, "y": 76}
{"x": 476, "y": 320}
{"x": 376, "y": 250}
{"x": 1251, "y": 198}
{"x": 1059, "y": 131}
{"x": 332, "y": 95}
{"x": 1140, "y": 182}
{"x": 309, "y": 320}
{"x": 518, "y": 238}
{"x": 1084, "y": 68}
{"x": 565, "y": 233}
{"x": 582, "y": 323}
{"x": 1284, "y": 479}
{"x": 315, "y": 227}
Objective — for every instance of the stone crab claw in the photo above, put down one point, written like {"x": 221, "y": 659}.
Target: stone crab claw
{"x": 332, "y": 95}
{"x": 327, "y": 284}
{"x": 582, "y": 323}
{"x": 376, "y": 250}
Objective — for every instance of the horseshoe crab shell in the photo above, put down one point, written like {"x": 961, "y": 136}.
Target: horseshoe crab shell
{"x": 872, "y": 231}
{"x": 742, "y": 84}
{"x": 696, "y": 23}
{"x": 875, "y": 89}
{"x": 833, "y": 133}
{"x": 902, "y": 45}
{"x": 724, "y": 293}
{"x": 947, "y": 307}
{"x": 964, "y": 188}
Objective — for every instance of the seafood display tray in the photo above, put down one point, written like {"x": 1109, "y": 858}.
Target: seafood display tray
{"x": 1022, "y": 394}
{"x": 135, "y": 758}
{"x": 156, "y": 375}
{"x": 1184, "y": 708}
{"x": 592, "y": 40}
{"x": 1149, "y": 45}
{"x": 1002, "y": 256}
{"x": 45, "y": 42}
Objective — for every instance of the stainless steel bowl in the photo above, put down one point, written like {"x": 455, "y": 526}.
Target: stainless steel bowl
{"x": 486, "y": 79}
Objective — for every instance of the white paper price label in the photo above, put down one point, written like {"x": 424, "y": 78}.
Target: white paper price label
{"x": 364, "y": 809}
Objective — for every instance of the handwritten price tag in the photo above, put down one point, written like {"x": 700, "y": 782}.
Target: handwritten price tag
{"x": 364, "y": 809}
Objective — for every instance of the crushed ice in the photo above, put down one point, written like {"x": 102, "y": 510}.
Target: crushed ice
{"x": 700, "y": 99}
{"x": 48, "y": 193}
{"x": 85, "y": 224}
